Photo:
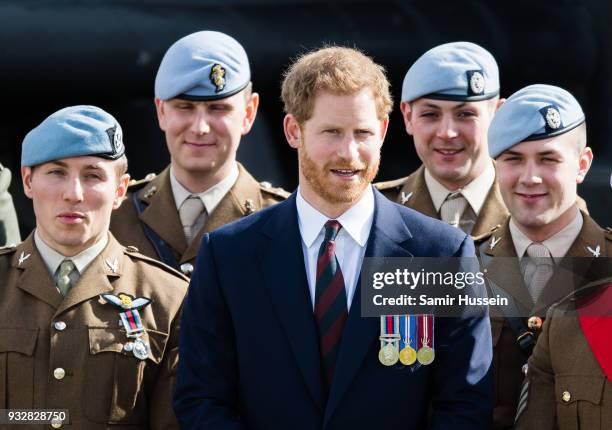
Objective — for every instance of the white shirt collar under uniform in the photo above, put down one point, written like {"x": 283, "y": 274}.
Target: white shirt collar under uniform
{"x": 350, "y": 242}
{"x": 53, "y": 259}
{"x": 475, "y": 192}
{"x": 211, "y": 197}
{"x": 558, "y": 244}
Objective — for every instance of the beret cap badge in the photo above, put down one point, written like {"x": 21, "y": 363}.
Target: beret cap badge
{"x": 217, "y": 77}
{"x": 553, "y": 118}
{"x": 477, "y": 82}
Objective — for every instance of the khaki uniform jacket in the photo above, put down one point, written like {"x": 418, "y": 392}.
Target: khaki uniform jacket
{"x": 508, "y": 358}
{"x": 104, "y": 386}
{"x": 566, "y": 388}
{"x": 412, "y": 192}
{"x": 161, "y": 214}
{"x": 9, "y": 229}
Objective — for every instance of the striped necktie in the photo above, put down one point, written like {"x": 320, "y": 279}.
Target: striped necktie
{"x": 330, "y": 309}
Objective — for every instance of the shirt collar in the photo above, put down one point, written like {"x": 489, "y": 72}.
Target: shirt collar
{"x": 558, "y": 244}
{"x": 53, "y": 259}
{"x": 475, "y": 192}
{"x": 211, "y": 197}
{"x": 357, "y": 221}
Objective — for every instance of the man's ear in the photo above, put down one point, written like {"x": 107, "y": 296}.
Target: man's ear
{"x": 26, "y": 179}
{"x": 293, "y": 132}
{"x": 407, "y": 116}
{"x": 121, "y": 190}
{"x": 161, "y": 113}
{"x": 584, "y": 164}
{"x": 250, "y": 113}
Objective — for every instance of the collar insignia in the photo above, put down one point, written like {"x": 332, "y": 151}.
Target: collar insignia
{"x": 596, "y": 252}
{"x": 405, "y": 197}
{"x": 112, "y": 265}
{"x": 23, "y": 257}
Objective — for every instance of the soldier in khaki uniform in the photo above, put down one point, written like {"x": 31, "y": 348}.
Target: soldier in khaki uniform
{"x": 449, "y": 96}
{"x": 205, "y": 104}
{"x": 540, "y": 148}
{"x": 87, "y": 325}
{"x": 569, "y": 382}
{"x": 9, "y": 229}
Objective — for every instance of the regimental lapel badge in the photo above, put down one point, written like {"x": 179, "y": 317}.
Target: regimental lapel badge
{"x": 405, "y": 197}
{"x": 23, "y": 257}
{"x": 113, "y": 265}
{"x": 494, "y": 242}
{"x": 249, "y": 206}
{"x": 596, "y": 252}
{"x": 131, "y": 321}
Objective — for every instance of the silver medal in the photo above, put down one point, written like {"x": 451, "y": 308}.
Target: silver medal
{"x": 141, "y": 349}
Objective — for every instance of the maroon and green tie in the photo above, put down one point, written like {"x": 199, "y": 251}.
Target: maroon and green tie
{"x": 330, "y": 301}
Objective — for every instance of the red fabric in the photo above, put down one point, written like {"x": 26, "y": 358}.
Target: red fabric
{"x": 596, "y": 322}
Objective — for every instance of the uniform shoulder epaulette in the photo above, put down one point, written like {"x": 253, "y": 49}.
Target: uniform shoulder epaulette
{"x": 132, "y": 251}
{"x": 136, "y": 183}
{"x": 387, "y": 185}
{"x": 485, "y": 236}
{"x": 7, "y": 249}
{"x": 267, "y": 187}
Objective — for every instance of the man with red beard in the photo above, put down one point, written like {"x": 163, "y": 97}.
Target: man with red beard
{"x": 272, "y": 335}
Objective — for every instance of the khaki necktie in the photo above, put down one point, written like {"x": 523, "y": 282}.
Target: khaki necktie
{"x": 452, "y": 208}
{"x": 538, "y": 270}
{"x": 64, "y": 280}
{"x": 189, "y": 212}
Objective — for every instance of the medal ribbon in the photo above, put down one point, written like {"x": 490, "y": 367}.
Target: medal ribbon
{"x": 132, "y": 323}
{"x": 426, "y": 331}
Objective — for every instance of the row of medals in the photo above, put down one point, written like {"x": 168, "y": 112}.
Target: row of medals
{"x": 390, "y": 354}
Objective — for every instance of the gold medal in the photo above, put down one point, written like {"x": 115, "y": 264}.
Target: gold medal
{"x": 388, "y": 354}
{"x": 426, "y": 355}
{"x": 408, "y": 356}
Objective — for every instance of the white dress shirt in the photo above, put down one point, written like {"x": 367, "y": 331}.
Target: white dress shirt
{"x": 475, "y": 192}
{"x": 211, "y": 197}
{"x": 350, "y": 242}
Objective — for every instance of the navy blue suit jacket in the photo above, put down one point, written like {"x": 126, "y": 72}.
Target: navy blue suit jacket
{"x": 249, "y": 355}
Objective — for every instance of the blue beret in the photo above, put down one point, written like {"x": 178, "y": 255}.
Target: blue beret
{"x": 461, "y": 71}
{"x": 206, "y": 65}
{"x": 533, "y": 113}
{"x": 73, "y": 132}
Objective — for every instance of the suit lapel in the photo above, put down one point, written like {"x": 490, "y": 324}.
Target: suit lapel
{"x": 35, "y": 278}
{"x": 387, "y": 238}
{"x": 420, "y": 199}
{"x": 282, "y": 263}
{"x": 230, "y": 208}
{"x": 505, "y": 271}
{"x": 493, "y": 212}
{"x": 161, "y": 213}
{"x": 97, "y": 277}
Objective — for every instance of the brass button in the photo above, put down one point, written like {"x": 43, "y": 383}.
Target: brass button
{"x": 534, "y": 323}
{"x": 60, "y": 325}
{"x": 59, "y": 373}
{"x": 566, "y": 396}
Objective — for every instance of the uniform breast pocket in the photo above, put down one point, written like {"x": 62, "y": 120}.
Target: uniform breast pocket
{"x": 117, "y": 380}
{"x": 579, "y": 401}
{"x": 17, "y": 347}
